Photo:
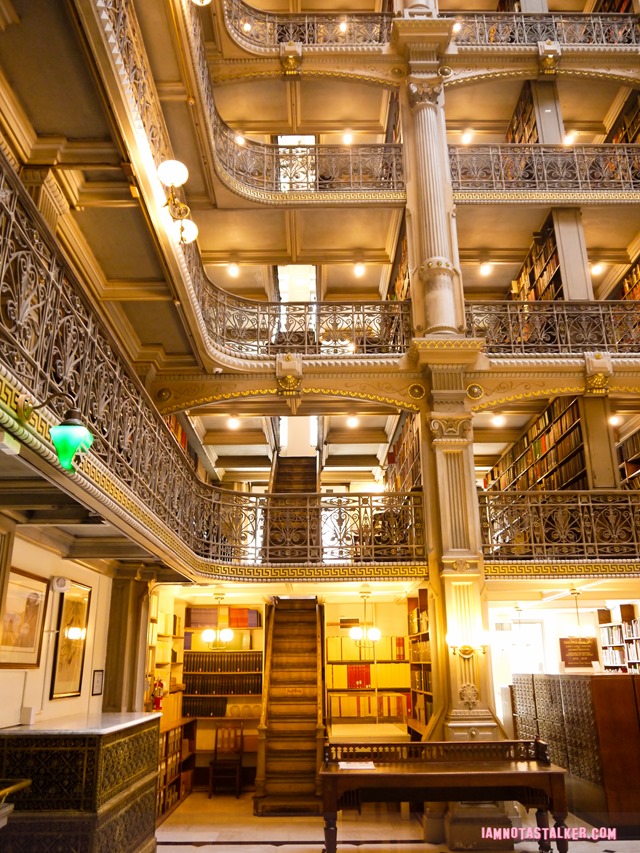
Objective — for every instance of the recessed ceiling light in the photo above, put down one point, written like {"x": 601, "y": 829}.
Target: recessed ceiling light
{"x": 233, "y": 270}
{"x": 246, "y": 27}
{"x": 498, "y": 420}
{"x": 239, "y": 139}
{"x": 570, "y": 137}
{"x": 201, "y": 2}
{"x": 597, "y": 269}
{"x": 347, "y": 138}
{"x": 359, "y": 270}
{"x": 486, "y": 269}
{"x": 233, "y": 423}
{"x": 352, "y": 421}
{"x": 467, "y": 136}
{"x": 615, "y": 420}
{"x": 343, "y": 26}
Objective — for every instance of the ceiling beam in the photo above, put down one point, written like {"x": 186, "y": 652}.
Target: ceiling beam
{"x": 110, "y": 547}
{"x": 493, "y": 435}
{"x": 357, "y": 436}
{"x": 234, "y": 437}
{"x": 243, "y": 462}
{"x": 352, "y": 461}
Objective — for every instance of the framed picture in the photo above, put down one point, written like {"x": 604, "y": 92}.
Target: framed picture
{"x": 71, "y": 641}
{"x": 98, "y": 680}
{"x": 23, "y": 615}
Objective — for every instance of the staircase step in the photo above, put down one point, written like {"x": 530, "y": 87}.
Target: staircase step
{"x": 302, "y": 743}
{"x": 296, "y": 677}
{"x": 286, "y": 725}
{"x": 290, "y": 784}
{"x": 289, "y": 661}
{"x": 286, "y": 708}
{"x": 289, "y": 805}
{"x": 296, "y": 604}
{"x": 303, "y": 766}
{"x": 295, "y": 615}
{"x": 293, "y": 693}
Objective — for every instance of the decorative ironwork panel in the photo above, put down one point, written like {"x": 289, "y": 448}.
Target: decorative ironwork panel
{"x": 583, "y": 749}
{"x": 517, "y": 29}
{"x": 584, "y": 168}
{"x": 566, "y": 525}
{"x": 558, "y": 327}
{"x": 51, "y": 342}
{"x": 125, "y": 758}
{"x": 434, "y": 751}
{"x": 286, "y": 169}
{"x": 268, "y": 30}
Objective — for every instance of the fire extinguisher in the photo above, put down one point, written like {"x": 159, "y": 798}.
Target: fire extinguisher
{"x": 158, "y": 693}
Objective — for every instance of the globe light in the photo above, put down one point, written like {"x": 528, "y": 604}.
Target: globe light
{"x": 70, "y": 437}
{"x": 173, "y": 173}
{"x": 184, "y": 230}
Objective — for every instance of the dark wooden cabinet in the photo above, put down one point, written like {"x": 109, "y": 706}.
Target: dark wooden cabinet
{"x": 592, "y": 726}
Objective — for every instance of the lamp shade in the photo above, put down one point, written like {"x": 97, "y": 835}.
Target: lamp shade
{"x": 69, "y": 437}
{"x": 184, "y": 230}
{"x": 173, "y": 173}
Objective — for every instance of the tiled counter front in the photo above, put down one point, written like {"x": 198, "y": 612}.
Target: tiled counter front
{"x": 93, "y": 788}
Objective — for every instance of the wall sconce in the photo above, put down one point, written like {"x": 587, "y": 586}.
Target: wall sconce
{"x": 217, "y": 638}
{"x": 73, "y": 632}
{"x": 365, "y": 635}
{"x": 466, "y": 650}
{"x": 68, "y": 437}
{"x": 174, "y": 174}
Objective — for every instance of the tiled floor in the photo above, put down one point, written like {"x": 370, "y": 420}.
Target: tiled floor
{"x": 223, "y": 823}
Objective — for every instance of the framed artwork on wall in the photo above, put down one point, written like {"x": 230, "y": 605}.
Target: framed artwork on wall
{"x": 71, "y": 641}
{"x": 23, "y": 616}
{"x": 97, "y": 683}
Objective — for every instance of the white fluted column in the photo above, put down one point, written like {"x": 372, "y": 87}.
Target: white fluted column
{"x": 437, "y": 272}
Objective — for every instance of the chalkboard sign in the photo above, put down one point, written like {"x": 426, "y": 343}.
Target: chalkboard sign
{"x": 578, "y": 651}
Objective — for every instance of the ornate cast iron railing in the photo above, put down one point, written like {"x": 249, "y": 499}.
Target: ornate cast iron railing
{"x": 268, "y": 30}
{"x": 585, "y": 168}
{"x": 289, "y": 169}
{"x": 437, "y": 751}
{"x": 560, "y": 525}
{"x": 517, "y": 29}
{"x": 247, "y": 329}
{"x": 564, "y": 328}
{"x": 51, "y": 341}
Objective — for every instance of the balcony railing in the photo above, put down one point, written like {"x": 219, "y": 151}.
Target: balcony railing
{"x": 547, "y": 168}
{"x": 51, "y": 341}
{"x": 517, "y": 29}
{"x": 555, "y": 328}
{"x": 246, "y": 329}
{"x": 287, "y": 170}
{"x": 560, "y": 525}
{"x": 269, "y": 30}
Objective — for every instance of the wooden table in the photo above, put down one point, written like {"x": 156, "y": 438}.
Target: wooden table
{"x": 444, "y": 771}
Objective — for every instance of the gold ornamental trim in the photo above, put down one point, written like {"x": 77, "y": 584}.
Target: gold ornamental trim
{"x": 546, "y": 197}
{"x": 497, "y": 571}
{"x": 524, "y": 395}
{"x": 475, "y": 344}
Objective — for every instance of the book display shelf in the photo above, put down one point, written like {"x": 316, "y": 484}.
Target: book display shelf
{"x": 522, "y": 127}
{"x": 404, "y": 471}
{"x": 420, "y": 664}
{"x": 620, "y": 642}
{"x": 539, "y": 276}
{"x": 628, "y": 451}
{"x": 549, "y": 455}
{"x": 176, "y": 763}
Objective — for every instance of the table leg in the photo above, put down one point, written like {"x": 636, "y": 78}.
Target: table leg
{"x": 542, "y": 822}
{"x": 563, "y": 842}
{"x": 330, "y": 833}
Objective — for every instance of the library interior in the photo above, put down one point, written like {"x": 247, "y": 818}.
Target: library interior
{"x": 319, "y": 415}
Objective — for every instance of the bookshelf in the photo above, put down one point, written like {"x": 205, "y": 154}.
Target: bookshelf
{"x": 548, "y": 456}
{"x": 404, "y": 472}
{"x": 626, "y": 128}
{"x": 367, "y": 681}
{"x": 165, "y": 652}
{"x": 606, "y": 7}
{"x": 629, "y": 285}
{"x": 628, "y": 452}
{"x": 176, "y": 763}
{"x": 420, "y": 663}
{"x": 539, "y": 276}
{"x": 613, "y": 652}
{"x": 399, "y": 278}
{"x": 522, "y": 127}
{"x": 620, "y": 642}
{"x": 631, "y": 639}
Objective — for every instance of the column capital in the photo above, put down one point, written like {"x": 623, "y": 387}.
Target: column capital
{"x": 424, "y": 93}
{"x": 451, "y": 429}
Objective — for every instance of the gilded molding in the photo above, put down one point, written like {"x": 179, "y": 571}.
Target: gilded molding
{"x": 563, "y": 197}
{"x": 496, "y": 570}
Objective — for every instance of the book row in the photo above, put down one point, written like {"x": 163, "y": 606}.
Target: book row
{"x": 391, "y": 706}
{"x": 421, "y": 679}
{"x": 418, "y": 621}
{"x": 346, "y": 649}
{"x": 222, "y": 662}
{"x": 611, "y": 635}
{"x": 421, "y": 652}
{"x": 362, "y": 676}
{"x": 631, "y": 629}
{"x": 223, "y": 684}
{"x": 204, "y": 706}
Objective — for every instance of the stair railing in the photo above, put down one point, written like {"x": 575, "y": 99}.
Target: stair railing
{"x": 320, "y": 726}
{"x": 261, "y": 758}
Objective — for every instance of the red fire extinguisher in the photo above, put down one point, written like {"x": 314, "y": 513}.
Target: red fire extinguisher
{"x": 158, "y": 693}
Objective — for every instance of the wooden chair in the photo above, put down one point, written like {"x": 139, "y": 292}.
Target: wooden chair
{"x": 227, "y": 757}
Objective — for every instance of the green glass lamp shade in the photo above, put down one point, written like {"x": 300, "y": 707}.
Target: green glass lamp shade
{"x": 69, "y": 437}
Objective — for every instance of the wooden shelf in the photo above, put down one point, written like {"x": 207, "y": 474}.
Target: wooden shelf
{"x": 522, "y": 127}
{"x": 539, "y": 277}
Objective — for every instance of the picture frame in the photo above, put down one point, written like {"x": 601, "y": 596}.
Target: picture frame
{"x": 71, "y": 641}
{"x": 97, "y": 682}
{"x": 23, "y": 614}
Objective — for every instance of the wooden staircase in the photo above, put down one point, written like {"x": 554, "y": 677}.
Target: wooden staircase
{"x": 292, "y": 524}
{"x": 291, "y": 739}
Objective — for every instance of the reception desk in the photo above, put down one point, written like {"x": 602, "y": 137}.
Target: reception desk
{"x": 93, "y": 784}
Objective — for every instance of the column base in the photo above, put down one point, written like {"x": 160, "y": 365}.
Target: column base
{"x": 464, "y": 822}
{"x": 465, "y": 727}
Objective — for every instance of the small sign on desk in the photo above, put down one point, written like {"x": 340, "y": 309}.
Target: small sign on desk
{"x": 578, "y": 651}
{"x": 356, "y": 765}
